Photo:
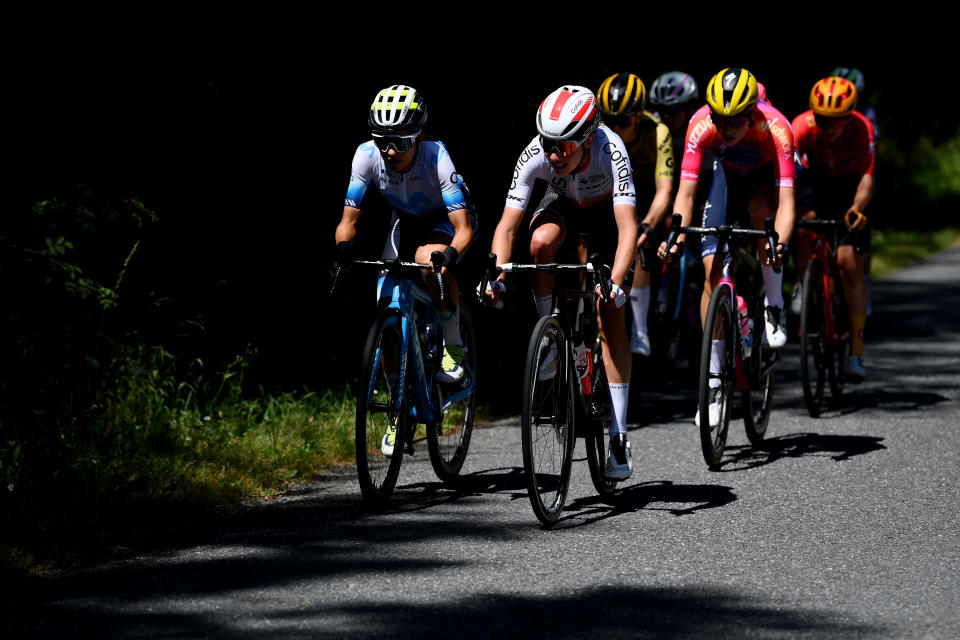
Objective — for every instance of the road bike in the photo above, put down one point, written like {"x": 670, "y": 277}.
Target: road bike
{"x": 564, "y": 398}
{"x": 824, "y": 325}
{"x": 398, "y": 390}
{"x": 735, "y": 318}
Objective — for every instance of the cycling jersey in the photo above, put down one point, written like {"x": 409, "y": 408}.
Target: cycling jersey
{"x": 852, "y": 154}
{"x": 430, "y": 187}
{"x": 606, "y": 174}
{"x": 768, "y": 143}
{"x": 651, "y": 154}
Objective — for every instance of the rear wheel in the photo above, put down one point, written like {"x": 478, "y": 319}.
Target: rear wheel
{"x": 757, "y": 401}
{"x": 547, "y": 422}
{"x": 381, "y": 410}
{"x": 813, "y": 341}
{"x": 597, "y": 426}
{"x": 718, "y": 327}
{"x": 449, "y": 439}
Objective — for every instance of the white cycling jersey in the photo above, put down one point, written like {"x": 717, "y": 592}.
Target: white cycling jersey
{"x": 430, "y": 187}
{"x": 607, "y": 174}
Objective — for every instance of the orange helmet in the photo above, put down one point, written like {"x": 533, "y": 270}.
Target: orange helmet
{"x": 834, "y": 97}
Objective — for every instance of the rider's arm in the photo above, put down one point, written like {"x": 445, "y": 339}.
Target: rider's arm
{"x": 462, "y": 230}
{"x": 659, "y": 206}
{"x": 347, "y": 229}
{"x": 786, "y": 215}
{"x": 626, "y": 217}
{"x": 505, "y": 234}
{"x": 686, "y": 195}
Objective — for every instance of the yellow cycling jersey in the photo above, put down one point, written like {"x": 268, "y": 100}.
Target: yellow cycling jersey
{"x": 651, "y": 154}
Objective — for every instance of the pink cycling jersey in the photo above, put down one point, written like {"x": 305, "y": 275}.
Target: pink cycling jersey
{"x": 769, "y": 141}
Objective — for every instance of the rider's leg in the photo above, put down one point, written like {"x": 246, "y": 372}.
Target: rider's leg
{"x": 852, "y": 270}
{"x": 616, "y": 361}
{"x": 547, "y": 233}
{"x": 640, "y": 305}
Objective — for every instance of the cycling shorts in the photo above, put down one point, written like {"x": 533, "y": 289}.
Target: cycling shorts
{"x": 408, "y": 233}
{"x": 830, "y": 198}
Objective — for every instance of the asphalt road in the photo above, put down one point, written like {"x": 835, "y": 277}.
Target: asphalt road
{"x": 843, "y": 526}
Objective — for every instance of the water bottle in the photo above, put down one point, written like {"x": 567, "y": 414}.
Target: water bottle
{"x": 746, "y": 326}
{"x": 584, "y": 367}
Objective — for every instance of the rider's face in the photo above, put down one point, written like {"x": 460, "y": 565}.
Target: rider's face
{"x": 732, "y": 129}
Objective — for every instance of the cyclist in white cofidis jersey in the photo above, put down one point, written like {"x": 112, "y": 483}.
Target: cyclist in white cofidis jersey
{"x": 568, "y": 177}
{"x": 431, "y": 204}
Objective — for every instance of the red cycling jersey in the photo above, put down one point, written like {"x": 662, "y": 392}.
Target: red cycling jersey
{"x": 768, "y": 141}
{"x": 852, "y": 154}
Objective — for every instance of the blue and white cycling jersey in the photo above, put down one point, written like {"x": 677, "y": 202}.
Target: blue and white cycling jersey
{"x": 431, "y": 187}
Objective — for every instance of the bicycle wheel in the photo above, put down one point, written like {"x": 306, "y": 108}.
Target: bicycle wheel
{"x": 719, "y": 326}
{"x": 379, "y": 408}
{"x": 757, "y": 401}
{"x": 597, "y": 430}
{"x": 813, "y": 341}
{"x": 547, "y": 423}
{"x": 449, "y": 439}
{"x": 837, "y": 356}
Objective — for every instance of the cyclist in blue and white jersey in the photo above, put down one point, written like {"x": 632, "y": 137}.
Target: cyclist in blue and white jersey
{"x": 432, "y": 210}
{"x": 576, "y": 176}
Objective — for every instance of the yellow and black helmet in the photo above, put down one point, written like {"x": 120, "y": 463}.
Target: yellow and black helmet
{"x": 622, "y": 94}
{"x": 732, "y": 91}
{"x": 834, "y": 97}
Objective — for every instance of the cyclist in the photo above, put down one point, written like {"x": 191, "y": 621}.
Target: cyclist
{"x": 855, "y": 76}
{"x": 568, "y": 176}
{"x": 621, "y": 99}
{"x": 754, "y": 146}
{"x": 836, "y": 145}
{"x": 432, "y": 210}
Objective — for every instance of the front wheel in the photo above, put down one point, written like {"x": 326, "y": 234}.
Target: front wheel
{"x": 596, "y": 434}
{"x": 716, "y": 388}
{"x": 547, "y": 422}
{"x": 381, "y": 410}
{"x": 757, "y": 401}
{"x": 813, "y": 341}
{"x": 449, "y": 439}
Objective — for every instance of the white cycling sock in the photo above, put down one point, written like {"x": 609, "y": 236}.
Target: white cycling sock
{"x": 619, "y": 394}
{"x": 450, "y": 327}
{"x": 640, "y": 304}
{"x": 544, "y": 304}
{"x": 716, "y": 359}
{"x": 773, "y": 281}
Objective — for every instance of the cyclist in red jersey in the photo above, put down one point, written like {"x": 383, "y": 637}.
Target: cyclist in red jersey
{"x": 754, "y": 145}
{"x": 836, "y": 145}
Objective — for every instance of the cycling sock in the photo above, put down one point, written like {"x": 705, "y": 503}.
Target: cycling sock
{"x": 773, "y": 282}
{"x": 619, "y": 393}
{"x": 716, "y": 357}
{"x": 640, "y": 304}
{"x": 857, "y": 322}
{"x": 450, "y": 327}
{"x": 544, "y": 304}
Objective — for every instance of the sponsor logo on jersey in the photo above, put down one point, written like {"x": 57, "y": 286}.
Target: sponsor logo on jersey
{"x": 699, "y": 129}
{"x": 621, "y": 166}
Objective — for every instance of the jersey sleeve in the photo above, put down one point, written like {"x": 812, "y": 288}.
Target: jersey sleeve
{"x": 621, "y": 171}
{"x": 869, "y": 145}
{"x": 453, "y": 190}
{"x": 664, "y": 170}
{"x": 700, "y": 132}
{"x": 782, "y": 136}
{"x": 524, "y": 174}
{"x": 361, "y": 174}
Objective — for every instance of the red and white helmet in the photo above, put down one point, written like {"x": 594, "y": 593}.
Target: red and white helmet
{"x": 568, "y": 114}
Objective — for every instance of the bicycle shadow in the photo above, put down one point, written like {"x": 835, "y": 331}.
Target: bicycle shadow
{"x": 418, "y": 496}
{"x": 836, "y": 447}
{"x": 653, "y": 495}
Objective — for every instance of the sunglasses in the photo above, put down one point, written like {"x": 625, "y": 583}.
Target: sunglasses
{"x": 618, "y": 121}
{"x": 563, "y": 148}
{"x": 729, "y": 122}
{"x": 400, "y": 143}
{"x": 824, "y": 122}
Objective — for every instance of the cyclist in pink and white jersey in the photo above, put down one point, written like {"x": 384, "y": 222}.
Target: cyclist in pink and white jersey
{"x": 754, "y": 144}
{"x": 576, "y": 176}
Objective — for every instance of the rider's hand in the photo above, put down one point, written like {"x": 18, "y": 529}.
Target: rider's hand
{"x": 343, "y": 256}
{"x": 764, "y": 250}
{"x": 643, "y": 240}
{"x": 675, "y": 252}
{"x": 855, "y": 220}
{"x": 493, "y": 293}
{"x": 617, "y": 296}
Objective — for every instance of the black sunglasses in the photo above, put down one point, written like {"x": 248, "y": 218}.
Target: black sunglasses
{"x": 618, "y": 121}
{"x": 400, "y": 143}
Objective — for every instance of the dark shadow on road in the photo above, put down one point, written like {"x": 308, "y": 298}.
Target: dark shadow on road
{"x": 836, "y": 447}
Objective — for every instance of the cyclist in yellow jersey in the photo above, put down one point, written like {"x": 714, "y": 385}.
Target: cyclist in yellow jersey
{"x": 621, "y": 99}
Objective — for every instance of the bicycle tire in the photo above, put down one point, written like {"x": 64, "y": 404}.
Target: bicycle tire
{"x": 840, "y": 350}
{"x": 547, "y": 420}
{"x": 813, "y": 340}
{"x": 719, "y": 320}
{"x": 449, "y": 439}
{"x": 598, "y": 424}
{"x": 377, "y": 409}
{"x": 757, "y": 402}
